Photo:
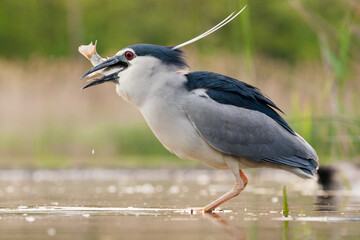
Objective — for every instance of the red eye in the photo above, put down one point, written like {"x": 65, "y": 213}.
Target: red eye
{"x": 129, "y": 55}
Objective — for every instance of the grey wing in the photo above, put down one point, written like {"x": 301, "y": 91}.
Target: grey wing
{"x": 247, "y": 133}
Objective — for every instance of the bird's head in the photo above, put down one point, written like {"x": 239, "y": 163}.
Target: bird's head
{"x": 145, "y": 58}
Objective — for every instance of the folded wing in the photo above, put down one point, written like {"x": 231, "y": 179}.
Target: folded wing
{"x": 241, "y": 125}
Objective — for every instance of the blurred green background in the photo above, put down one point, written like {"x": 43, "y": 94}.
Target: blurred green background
{"x": 303, "y": 54}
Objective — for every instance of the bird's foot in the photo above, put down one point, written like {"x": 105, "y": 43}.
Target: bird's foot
{"x": 194, "y": 211}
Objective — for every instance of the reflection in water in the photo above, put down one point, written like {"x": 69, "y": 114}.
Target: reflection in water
{"x": 231, "y": 229}
{"x": 326, "y": 203}
{"x": 285, "y": 232}
{"x": 329, "y": 181}
{"x": 329, "y": 178}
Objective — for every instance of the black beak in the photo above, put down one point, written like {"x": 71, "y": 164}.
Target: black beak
{"x": 109, "y": 78}
{"x": 111, "y": 62}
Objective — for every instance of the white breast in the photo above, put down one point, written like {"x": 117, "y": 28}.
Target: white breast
{"x": 159, "y": 94}
{"x": 168, "y": 121}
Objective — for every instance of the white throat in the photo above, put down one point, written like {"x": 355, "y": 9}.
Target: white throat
{"x": 146, "y": 77}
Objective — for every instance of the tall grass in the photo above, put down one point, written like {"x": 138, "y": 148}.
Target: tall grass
{"x": 338, "y": 46}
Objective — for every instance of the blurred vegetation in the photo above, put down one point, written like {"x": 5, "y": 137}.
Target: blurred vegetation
{"x": 57, "y": 27}
{"x": 291, "y": 33}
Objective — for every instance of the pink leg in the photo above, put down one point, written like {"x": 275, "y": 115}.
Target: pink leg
{"x": 241, "y": 182}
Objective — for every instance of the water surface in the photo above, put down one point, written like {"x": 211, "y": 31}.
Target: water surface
{"x": 154, "y": 204}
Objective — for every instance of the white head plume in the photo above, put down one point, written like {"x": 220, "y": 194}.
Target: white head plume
{"x": 210, "y": 31}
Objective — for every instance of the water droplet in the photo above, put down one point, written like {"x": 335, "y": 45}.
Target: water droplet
{"x": 274, "y": 199}
{"x": 10, "y": 189}
{"x": 111, "y": 189}
{"x": 30, "y": 219}
{"x": 93, "y": 151}
{"x": 128, "y": 190}
{"x": 174, "y": 189}
{"x": 203, "y": 179}
{"x": 51, "y": 231}
{"x": 146, "y": 188}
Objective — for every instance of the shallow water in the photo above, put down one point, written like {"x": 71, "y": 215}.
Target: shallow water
{"x": 154, "y": 204}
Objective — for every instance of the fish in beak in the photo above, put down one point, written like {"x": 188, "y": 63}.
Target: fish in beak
{"x": 112, "y": 67}
{"x": 109, "y": 78}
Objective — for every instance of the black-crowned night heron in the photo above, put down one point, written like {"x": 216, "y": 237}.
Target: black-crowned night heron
{"x": 205, "y": 116}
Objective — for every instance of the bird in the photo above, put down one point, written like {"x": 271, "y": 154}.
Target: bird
{"x": 215, "y": 119}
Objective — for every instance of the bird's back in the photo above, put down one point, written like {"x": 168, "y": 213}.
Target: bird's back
{"x": 237, "y": 119}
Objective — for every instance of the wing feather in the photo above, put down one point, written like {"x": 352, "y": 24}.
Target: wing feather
{"x": 226, "y": 90}
{"x": 246, "y": 133}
